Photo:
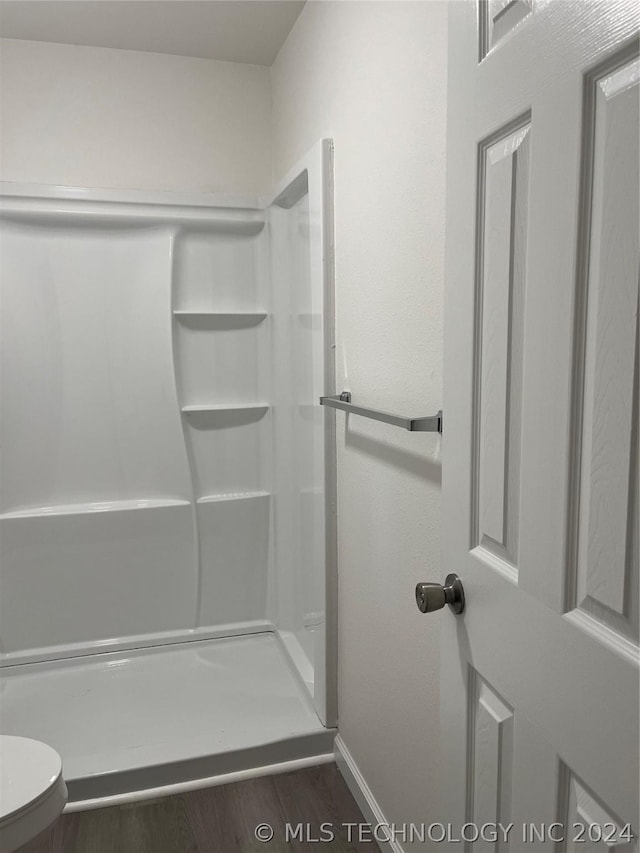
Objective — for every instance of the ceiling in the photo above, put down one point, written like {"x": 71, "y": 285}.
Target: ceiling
{"x": 251, "y": 31}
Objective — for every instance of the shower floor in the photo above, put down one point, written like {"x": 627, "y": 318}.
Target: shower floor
{"x": 133, "y": 721}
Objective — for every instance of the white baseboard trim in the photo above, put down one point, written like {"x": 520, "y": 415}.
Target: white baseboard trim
{"x": 363, "y": 796}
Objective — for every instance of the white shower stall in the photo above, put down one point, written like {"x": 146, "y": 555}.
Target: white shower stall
{"x": 167, "y": 497}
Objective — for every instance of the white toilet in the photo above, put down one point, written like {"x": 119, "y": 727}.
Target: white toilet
{"x": 32, "y": 790}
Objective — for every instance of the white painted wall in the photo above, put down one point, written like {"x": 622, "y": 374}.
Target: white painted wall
{"x": 373, "y": 77}
{"x": 98, "y": 117}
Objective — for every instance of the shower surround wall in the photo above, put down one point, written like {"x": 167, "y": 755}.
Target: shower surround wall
{"x": 164, "y": 469}
{"x": 135, "y": 488}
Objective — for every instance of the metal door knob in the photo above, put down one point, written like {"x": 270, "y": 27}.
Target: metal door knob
{"x": 434, "y": 596}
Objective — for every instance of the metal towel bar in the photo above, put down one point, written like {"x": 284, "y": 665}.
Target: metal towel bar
{"x": 343, "y": 402}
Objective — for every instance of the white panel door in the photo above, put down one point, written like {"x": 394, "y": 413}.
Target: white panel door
{"x": 540, "y": 680}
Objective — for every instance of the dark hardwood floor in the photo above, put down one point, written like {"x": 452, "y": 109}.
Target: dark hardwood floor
{"x": 220, "y": 820}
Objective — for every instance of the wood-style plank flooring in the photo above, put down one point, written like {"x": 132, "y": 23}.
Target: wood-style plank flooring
{"x": 220, "y": 820}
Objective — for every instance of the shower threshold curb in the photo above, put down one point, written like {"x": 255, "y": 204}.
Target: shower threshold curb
{"x": 130, "y": 786}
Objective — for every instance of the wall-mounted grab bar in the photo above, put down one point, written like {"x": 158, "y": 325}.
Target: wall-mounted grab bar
{"x": 343, "y": 402}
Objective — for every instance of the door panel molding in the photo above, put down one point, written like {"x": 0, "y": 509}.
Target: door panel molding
{"x": 602, "y": 537}
{"x": 501, "y": 248}
{"x": 490, "y": 755}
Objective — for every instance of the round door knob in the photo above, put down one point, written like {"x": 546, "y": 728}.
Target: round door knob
{"x": 429, "y": 597}
{"x": 434, "y": 596}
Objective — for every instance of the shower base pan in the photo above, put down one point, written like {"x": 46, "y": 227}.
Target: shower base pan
{"x": 135, "y": 724}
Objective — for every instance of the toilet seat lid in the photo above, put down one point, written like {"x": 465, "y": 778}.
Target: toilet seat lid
{"x": 28, "y": 769}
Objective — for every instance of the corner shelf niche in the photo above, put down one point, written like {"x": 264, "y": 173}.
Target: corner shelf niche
{"x": 222, "y": 346}
{"x": 219, "y": 273}
{"x": 221, "y": 356}
{"x": 231, "y": 447}
{"x": 221, "y": 350}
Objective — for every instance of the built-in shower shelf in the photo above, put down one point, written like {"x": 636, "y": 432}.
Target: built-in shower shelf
{"x": 92, "y": 506}
{"x": 232, "y": 407}
{"x": 232, "y": 496}
{"x": 220, "y": 316}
